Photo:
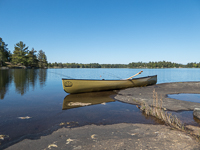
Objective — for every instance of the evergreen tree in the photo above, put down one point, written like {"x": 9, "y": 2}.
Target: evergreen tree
{"x": 42, "y": 59}
{"x": 19, "y": 54}
{"x": 4, "y": 53}
{"x": 32, "y": 58}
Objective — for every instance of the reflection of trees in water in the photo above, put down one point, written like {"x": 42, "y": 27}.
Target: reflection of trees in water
{"x": 32, "y": 77}
{"x": 5, "y": 80}
{"x": 42, "y": 76}
{"x": 22, "y": 78}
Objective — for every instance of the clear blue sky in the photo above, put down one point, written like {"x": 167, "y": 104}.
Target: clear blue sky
{"x": 105, "y": 31}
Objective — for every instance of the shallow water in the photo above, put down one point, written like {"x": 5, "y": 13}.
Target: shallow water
{"x": 186, "y": 116}
{"x": 73, "y": 111}
{"x": 186, "y": 97}
{"x": 38, "y": 96}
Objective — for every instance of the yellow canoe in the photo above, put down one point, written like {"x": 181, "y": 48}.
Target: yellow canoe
{"x": 84, "y": 85}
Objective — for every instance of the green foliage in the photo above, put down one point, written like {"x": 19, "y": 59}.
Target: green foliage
{"x": 114, "y": 66}
{"x": 160, "y": 64}
{"x": 42, "y": 59}
{"x": 19, "y": 54}
{"x": 32, "y": 60}
{"x": 4, "y": 53}
{"x": 193, "y": 65}
{"x": 91, "y": 65}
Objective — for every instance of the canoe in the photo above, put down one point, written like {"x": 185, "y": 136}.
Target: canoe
{"x": 85, "y": 85}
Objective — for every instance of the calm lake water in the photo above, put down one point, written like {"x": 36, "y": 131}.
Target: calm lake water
{"x": 186, "y": 97}
{"x": 33, "y": 102}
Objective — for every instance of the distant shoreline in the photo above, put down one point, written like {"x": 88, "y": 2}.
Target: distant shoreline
{"x": 6, "y": 68}
{"x": 150, "y": 65}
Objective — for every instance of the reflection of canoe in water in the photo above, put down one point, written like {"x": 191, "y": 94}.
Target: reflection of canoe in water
{"x": 81, "y": 85}
{"x": 85, "y": 99}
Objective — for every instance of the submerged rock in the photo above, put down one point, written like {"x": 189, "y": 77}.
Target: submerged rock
{"x": 196, "y": 112}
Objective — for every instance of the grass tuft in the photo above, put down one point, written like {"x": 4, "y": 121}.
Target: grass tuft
{"x": 157, "y": 111}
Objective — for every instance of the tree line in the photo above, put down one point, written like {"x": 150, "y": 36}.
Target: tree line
{"x": 21, "y": 56}
{"x": 163, "y": 64}
{"x": 91, "y": 65}
{"x": 159, "y": 64}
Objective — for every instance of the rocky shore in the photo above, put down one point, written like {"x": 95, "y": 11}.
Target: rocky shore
{"x": 112, "y": 137}
{"x": 124, "y": 135}
{"x": 145, "y": 94}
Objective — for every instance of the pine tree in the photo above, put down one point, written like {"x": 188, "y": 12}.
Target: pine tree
{"x": 42, "y": 59}
{"x": 4, "y": 53}
{"x": 32, "y": 58}
{"x": 19, "y": 54}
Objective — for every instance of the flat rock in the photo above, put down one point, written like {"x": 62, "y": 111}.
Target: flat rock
{"x": 138, "y": 95}
{"x": 196, "y": 113}
{"x": 112, "y": 137}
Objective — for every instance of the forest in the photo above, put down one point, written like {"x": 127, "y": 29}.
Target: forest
{"x": 160, "y": 64}
{"x": 21, "y": 57}
{"x": 25, "y": 58}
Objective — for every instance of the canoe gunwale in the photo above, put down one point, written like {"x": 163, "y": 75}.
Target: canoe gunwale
{"x": 112, "y": 80}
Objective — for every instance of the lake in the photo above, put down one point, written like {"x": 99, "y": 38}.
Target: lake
{"x": 33, "y": 102}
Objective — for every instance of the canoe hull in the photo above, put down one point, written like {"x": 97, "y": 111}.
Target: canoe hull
{"x": 81, "y": 86}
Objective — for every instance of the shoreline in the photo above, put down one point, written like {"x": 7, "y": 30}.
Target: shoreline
{"x": 28, "y": 67}
{"x": 126, "y": 135}
{"x": 112, "y": 137}
{"x": 145, "y": 94}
